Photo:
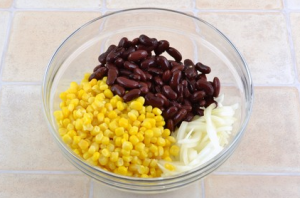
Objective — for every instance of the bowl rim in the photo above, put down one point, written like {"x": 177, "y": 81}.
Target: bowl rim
{"x": 233, "y": 144}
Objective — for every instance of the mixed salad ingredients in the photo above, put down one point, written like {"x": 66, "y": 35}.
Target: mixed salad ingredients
{"x": 139, "y": 114}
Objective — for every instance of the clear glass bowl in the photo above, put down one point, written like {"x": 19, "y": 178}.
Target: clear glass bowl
{"x": 194, "y": 38}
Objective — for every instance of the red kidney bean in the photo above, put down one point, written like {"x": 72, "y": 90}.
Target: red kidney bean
{"x": 170, "y": 125}
{"x": 150, "y": 99}
{"x": 188, "y": 63}
{"x": 163, "y": 63}
{"x": 201, "y": 77}
{"x": 162, "y": 46}
{"x": 169, "y": 92}
{"x": 179, "y": 116}
{"x": 170, "y": 112}
{"x": 97, "y": 67}
{"x": 123, "y": 42}
{"x": 155, "y": 71}
{"x": 149, "y": 62}
{"x": 190, "y": 73}
{"x": 102, "y": 57}
{"x": 154, "y": 43}
{"x": 141, "y": 73}
{"x": 114, "y": 54}
{"x": 112, "y": 76}
{"x": 187, "y": 107}
{"x": 197, "y": 96}
{"x": 166, "y": 101}
{"x": 119, "y": 62}
{"x": 125, "y": 72}
{"x": 166, "y": 76}
{"x": 146, "y": 48}
{"x": 175, "y": 104}
{"x": 187, "y": 102}
{"x": 126, "y": 53}
{"x": 175, "y": 79}
{"x": 217, "y": 86}
{"x": 130, "y": 95}
{"x": 130, "y": 65}
{"x": 125, "y": 82}
{"x": 145, "y": 40}
{"x": 199, "y": 112}
{"x": 189, "y": 117}
{"x": 135, "y": 77}
{"x": 99, "y": 74}
{"x": 158, "y": 80}
{"x": 135, "y": 41}
{"x": 174, "y": 53}
{"x": 202, "y": 68}
{"x": 117, "y": 90}
{"x": 144, "y": 87}
{"x": 149, "y": 84}
{"x": 177, "y": 67}
{"x": 206, "y": 86}
{"x": 137, "y": 55}
{"x": 186, "y": 93}
{"x": 110, "y": 66}
{"x": 148, "y": 76}
{"x": 179, "y": 89}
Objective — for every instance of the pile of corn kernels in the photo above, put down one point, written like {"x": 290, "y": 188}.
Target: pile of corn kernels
{"x": 123, "y": 138}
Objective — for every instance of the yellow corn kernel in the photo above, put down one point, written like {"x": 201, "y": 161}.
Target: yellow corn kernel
{"x": 161, "y": 151}
{"x": 109, "y": 107}
{"x": 93, "y": 148}
{"x": 142, "y": 117}
{"x": 153, "y": 148}
{"x": 120, "y": 162}
{"x": 150, "y": 115}
{"x": 86, "y": 155}
{"x": 98, "y": 138}
{"x": 136, "y": 123}
{"x": 171, "y": 139}
{"x": 119, "y": 131}
{"x": 132, "y": 116}
{"x": 108, "y": 93}
{"x": 123, "y": 122}
{"x": 87, "y": 87}
{"x": 170, "y": 167}
{"x": 149, "y": 109}
{"x": 161, "y": 141}
{"x": 103, "y": 87}
{"x": 166, "y": 133}
{"x": 153, "y": 163}
{"x": 114, "y": 156}
{"x": 147, "y": 124}
{"x": 67, "y": 139}
{"x": 120, "y": 106}
{"x": 157, "y": 111}
{"x": 168, "y": 159}
{"x": 111, "y": 147}
{"x": 96, "y": 156}
{"x": 140, "y": 137}
{"x": 105, "y": 152}
{"x": 100, "y": 117}
{"x": 143, "y": 170}
{"x": 133, "y": 130}
{"x": 152, "y": 172}
{"x": 125, "y": 137}
{"x": 118, "y": 141}
{"x": 111, "y": 166}
{"x": 136, "y": 105}
{"x": 127, "y": 145}
{"x": 159, "y": 118}
{"x": 112, "y": 125}
{"x": 154, "y": 140}
{"x": 62, "y": 131}
{"x": 103, "y": 160}
{"x": 141, "y": 100}
{"x": 127, "y": 158}
{"x": 133, "y": 139}
{"x": 96, "y": 130}
{"x": 149, "y": 133}
{"x": 58, "y": 115}
{"x": 105, "y": 140}
{"x": 125, "y": 152}
{"x": 108, "y": 133}
{"x": 83, "y": 144}
{"x": 146, "y": 162}
{"x": 136, "y": 160}
{"x": 133, "y": 167}
{"x": 143, "y": 154}
{"x": 78, "y": 124}
{"x": 112, "y": 114}
{"x": 134, "y": 153}
{"x": 161, "y": 123}
{"x": 174, "y": 150}
{"x": 122, "y": 170}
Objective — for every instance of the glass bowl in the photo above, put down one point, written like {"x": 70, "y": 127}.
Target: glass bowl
{"x": 194, "y": 38}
